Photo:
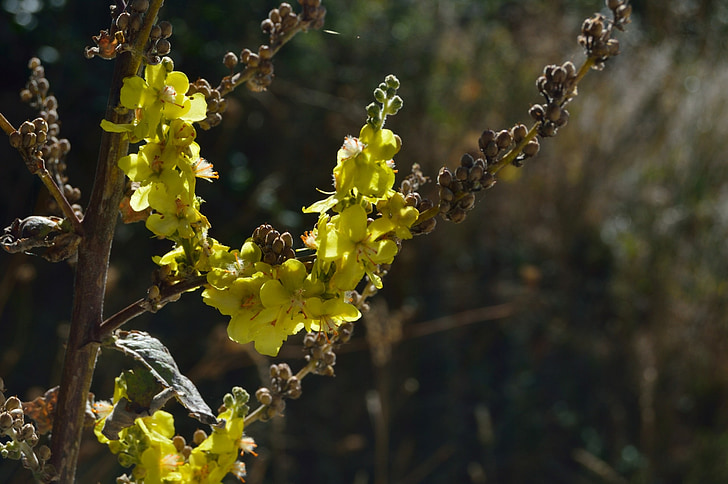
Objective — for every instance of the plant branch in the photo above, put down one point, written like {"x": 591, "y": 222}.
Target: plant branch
{"x": 91, "y": 271}
{"x": 141, "y": 306}
{"x": 5, "y": 125}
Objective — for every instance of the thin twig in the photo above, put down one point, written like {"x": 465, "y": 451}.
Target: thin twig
{"x": 141, "y": 306}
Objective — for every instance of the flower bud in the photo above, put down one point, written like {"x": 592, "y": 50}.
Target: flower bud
{"x": 457, "y": 215}
{"x": 503, "y": 139}
{"x": 263, "y": 396}
{"x": 163, "y": 46}
{"x": 531, "y": 148}
{"x": 16, "y": 139}
{"x": 553, "y": 112}
{"x": 444, "y": 177}
{"x": 6, "y": 421}
{"x": 265, "y": 52}
{"x": 230, "y": 60}
{"x": 43, "y": 453}
{"x": 179, "y": 442}
{"x": 166, "y": 29}
{"x": 467, "y": 202}
{"x": 26, "y": 431}
{"x": 199, "y": 436}
{"x": 536, "y": 112}
{"x": 284, "y": 371}
{"x": 140, "y": 5}
{"x": 284, "y": 9}
{"x": 519, "y": 132}
{"x": 446, "y": 194}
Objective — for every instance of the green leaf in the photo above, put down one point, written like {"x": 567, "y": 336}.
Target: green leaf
{"x": 157, "y": 359}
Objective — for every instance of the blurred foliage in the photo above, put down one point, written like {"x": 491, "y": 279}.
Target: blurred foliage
{"x": 607, "y": 251}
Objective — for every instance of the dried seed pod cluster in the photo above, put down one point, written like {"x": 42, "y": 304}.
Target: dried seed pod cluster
{"x": 23, "y": 443}
{"x": 596, "y": 32}
{"x": 280, "y": 22}
{"x": 313, "y": 13}
{"x": 276, "y": 247}
{"x": 216, "y": 104}
{"x": 283, "y": 385}
{"x": 557, "y": 85}
{"x": 410, "y": 189}
{"x": 38, "y": 140}
{"x": 457, "y": 189}
{"x": 260, "y": 65}
{"x": 126, "y": 24}
{"x": 319, "y": 349}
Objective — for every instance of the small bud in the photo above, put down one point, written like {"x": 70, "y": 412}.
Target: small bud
{"x": 467, "y": 160}
{"x": 536, "y": 112}
{"x": 395, "y": 105}
{"x": 503, "y": 139}
{"x": 467, "y": 202}
{"x": 553, "y": 112}
{"x": 253, "y": 60}
{"x": 284, "y": 371}
{"x": 461, "y": 173}
{"x": 140, "y": 5}
{"x": 179, "y": 442}
{"x": 156, "y": 32}
{"x": 230, "y": 60}
{"x": 166, "y": 29}
{"x": 16, "y": 139}
{"x": 446, "y": 194}
{"x": 199, "y": 436}
{"x": 287, "y": 239}
{"x": 531, "y": 148}
{"x": 263, "y": 396}
{"x": 29, "y": 140}
{"x": 26, "y": 431}
{"x": 267, "y": 26}
{"x": 485, "y": 138}
{"x": 457, "y": 215}
{"x": 392, "y": 81}
{"x": 373, "y": 111}
{"x": 6, "y": 421}
{"x": 265, "y": 52}
{"x": 26, "y": 127}
{"x": 491, "y": 150}
{"x": 43, "y": 453}
{"x": 284, "y": 9}
{"x": 33, "y": 63}
{"x": 163, "y": 46}
{"x": 444, "y": 177}
{"x": 43, "y": 86}
{"x": 379, "y": 95}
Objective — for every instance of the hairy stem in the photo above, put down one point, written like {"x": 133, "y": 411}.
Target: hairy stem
{"x": 91, "y": 270}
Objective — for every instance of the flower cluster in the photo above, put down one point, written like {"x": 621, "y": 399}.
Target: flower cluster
{"x": 358, "y": 230}
{"x": 268, "y": 293}
{"x": 165, "y": 168}
{"x": 158, "y": 456}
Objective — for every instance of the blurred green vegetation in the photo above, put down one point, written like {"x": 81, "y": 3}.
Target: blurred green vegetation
{"x": 604, "y": 360}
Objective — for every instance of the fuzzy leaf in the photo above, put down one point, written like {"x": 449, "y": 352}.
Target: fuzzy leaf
{"x": 157, "y": 359}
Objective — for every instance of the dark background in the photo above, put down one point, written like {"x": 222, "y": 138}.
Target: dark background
{"x": 572, "y": 329}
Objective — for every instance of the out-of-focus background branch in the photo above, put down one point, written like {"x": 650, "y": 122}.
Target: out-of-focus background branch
{"x": 572, "y": 329}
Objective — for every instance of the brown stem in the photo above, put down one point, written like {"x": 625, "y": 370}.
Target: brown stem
{"x": 143, "y": 305}
{"x": 91, "y": 270}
